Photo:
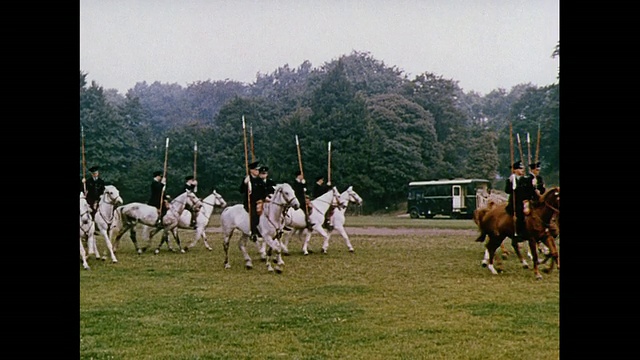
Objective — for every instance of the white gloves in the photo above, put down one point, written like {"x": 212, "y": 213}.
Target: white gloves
{"x": 164, "y": 180}
{"x": 534, "y": 181}
{"x": 303, "y": 181}
{"x": 512, "y": 178}
{"x": 246, "y": 179}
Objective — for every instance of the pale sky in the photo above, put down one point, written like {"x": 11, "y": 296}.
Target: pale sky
{"x": 482, "y": 44}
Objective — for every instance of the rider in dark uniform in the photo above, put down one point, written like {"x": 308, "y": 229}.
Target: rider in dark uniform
{"x": 268, "y": 182}
{"x": 520, "y": 186}
{"x": 538, "y": 181}
{"x": 300, "y": 189}
{"x": 157, "y": 187}
{"x": 191, "y": 184}
{"x": 95, "y": 188}
{"x": 319, "y": 189}
{"x": 258, "y": 193}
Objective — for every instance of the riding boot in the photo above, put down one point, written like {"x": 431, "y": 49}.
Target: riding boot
{"x": 309, "y": 224}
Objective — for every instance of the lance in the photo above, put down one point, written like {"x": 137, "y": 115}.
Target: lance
{"x": 195, "y": 163}
{"x": 528, "y": 151}
{"x": 513, "y": 193}
{"x": 246, "y": 169}
{"x": 520, "y": 148}
{"x": 329, "y": 164}
{"x": 301, "y": 172}
{"x": 253, "y": 154}
{"x": 84, "y": 163}
{"x": 538, "y": 144}
{"x": 164, "y": 176}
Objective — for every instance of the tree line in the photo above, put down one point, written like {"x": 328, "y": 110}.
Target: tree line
{"x": 385, "y": 129}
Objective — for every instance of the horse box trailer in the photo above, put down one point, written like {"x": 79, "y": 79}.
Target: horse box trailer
{"x": 457, "y": 198}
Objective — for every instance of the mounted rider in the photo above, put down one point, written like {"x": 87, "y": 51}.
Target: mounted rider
{"x": 257, "y": 194}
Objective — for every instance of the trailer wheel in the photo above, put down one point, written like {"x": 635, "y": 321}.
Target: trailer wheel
{"x": 414, "y": 213}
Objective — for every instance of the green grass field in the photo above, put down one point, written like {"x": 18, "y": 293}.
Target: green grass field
{"x": 396, "y": 297}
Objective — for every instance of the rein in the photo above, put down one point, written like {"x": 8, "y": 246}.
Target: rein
{"x": 113, "y": 210}
{"x": 285, "y": 207}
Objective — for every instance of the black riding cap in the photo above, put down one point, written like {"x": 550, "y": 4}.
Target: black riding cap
{"x": 254, "y": 165}
{"x": 264, "y": 169}
{"x": 94, "y": 169}
{"x": 190, "y": 177}
{"x": 535, "y": 165}
{"x": 518, "y": 165}
{"x": 157, "y": 173}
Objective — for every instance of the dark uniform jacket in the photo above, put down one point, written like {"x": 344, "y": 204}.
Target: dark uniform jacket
{"x": 191, "y": 187}
{"x": 300, "y": 190}
{"x": 524, "y": 191}
{"x": 258, "y": 191}
{"x": 540, "y": 185}
{"x": 269, "y": 186}
{"x": 95, "y": 188}
{"x": 156, "y": 192}
{"x": 319, "y": 190}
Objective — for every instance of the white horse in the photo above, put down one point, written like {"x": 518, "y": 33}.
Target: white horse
{"x": 127, "y": 216}
{"x": 270, "y": 225}
{"x": 87, "y": 228}
{"x": 338, "y": 218}
{"x": 319, "y": 206}
{"x": 202, "y": 220}
{"x": 109, "y": 201}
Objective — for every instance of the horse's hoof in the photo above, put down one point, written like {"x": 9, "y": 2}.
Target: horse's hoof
{"x": 185, "y": 249}
{"x": 227, "y": 266}
{"x": 278, "y": 270}
{"x": 209, "y": 248}
{"x": 249, "y": 266}
{"x": 324, "y": 251}
{"x": 484, "y": 264}
{"x": 305, "y": 253}
{"x": 285, "y": 253}
{"x": 351, "y": 250}
{"x": 525, "y": 266}
{"x": 114, "y": 261}
{"x": 157, "y": 251}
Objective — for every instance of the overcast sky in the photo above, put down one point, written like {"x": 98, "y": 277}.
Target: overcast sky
{"x": 482, "y": 44}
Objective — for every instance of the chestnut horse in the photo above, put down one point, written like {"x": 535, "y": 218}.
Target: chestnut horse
{"x": 497, "y": 224}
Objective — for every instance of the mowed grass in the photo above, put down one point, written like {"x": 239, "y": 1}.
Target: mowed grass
{"x": 396, "y": 297}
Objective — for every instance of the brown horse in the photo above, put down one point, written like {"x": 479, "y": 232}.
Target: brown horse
{"x": 497, "y": 224}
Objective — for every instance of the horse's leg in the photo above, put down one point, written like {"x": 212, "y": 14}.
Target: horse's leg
{"x": 516, "y": 248}
{"x": 492, "y": 245}
{"x": 285, "y": 242}
{"x": 83, "y": 255}
{"x": 261, "y": 245}
{"x": 274, "y": 246}
{"x": 553, "y": 254}
{"x": 325, "y": 236}
{"x": 242, "y": 245}
{"x": 534, "y": 251}
{"x": 225, "y": 245}
{"x": 505, "y": 252}
{"x": 107, "y": 241}
{"x": 305, "y": 243}
{"x": 165, "y": 238}
{"x": 176, "y": 237}
{"x": 93, "y": 244}
{"x": 343, "y": 233}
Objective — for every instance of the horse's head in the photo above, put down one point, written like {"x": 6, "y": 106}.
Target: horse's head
{"x": 218, "y": 200}
{"x": 353, "y": 196}
{"x": 85, "y": 210}
{"x": 336, "y": 198}
{"x": 192, "y": 202}
{"x": 111, "y": 195}
{"x": 284, "y": 193}
{"x": 551, "y": 198}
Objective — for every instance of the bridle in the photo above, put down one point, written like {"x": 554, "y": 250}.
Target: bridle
{"x": 113, "y": 200}
{"x": 285, "y": 207}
